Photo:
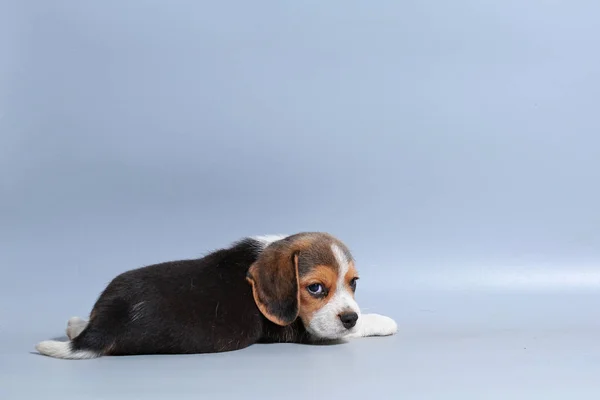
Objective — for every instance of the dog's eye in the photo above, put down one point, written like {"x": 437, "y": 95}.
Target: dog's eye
{"x": 353, "y": 283}
{"x": 316, "y": 289}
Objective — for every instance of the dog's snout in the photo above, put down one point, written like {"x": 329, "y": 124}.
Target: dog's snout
{"x": 349, "y": 319}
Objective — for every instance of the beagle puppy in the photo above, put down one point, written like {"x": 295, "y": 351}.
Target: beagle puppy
{"x": 270, "y": 289}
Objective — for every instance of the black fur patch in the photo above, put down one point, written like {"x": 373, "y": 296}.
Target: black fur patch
{"x": 202, "y": 305}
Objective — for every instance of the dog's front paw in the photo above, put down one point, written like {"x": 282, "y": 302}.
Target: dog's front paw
{"x": 379, "y": 325}
{"x": 375, "y": 325}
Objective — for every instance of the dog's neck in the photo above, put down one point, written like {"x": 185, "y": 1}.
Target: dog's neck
{"x": 293, "y": 333}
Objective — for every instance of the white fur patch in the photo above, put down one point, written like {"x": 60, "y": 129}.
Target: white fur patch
{"x": 326, "y": 322}
{"x": 56, "y": 349}
{"x": 266, "y": 240}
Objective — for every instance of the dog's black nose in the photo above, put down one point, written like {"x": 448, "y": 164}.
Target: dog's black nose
{"x": 349, "y": 319}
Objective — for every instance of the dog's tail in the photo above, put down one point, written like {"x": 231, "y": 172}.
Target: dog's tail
{"x": 85, "y": 342}
{"x": 65, "y": 350}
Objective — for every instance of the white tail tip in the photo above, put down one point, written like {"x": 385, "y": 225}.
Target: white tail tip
{"x": 56, "y": 349}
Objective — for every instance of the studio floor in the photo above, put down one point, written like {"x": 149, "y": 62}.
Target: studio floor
{"x": 450, "y": 345}
{"x": 452, "y": 145}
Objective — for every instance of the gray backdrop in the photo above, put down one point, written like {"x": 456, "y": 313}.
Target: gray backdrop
{"x": 454, "y": 146}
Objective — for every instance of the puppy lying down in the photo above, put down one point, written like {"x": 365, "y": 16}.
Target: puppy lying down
{"x": 294, "y": 289}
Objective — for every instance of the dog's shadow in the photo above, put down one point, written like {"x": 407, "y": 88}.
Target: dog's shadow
{"x": 334, "y": 342}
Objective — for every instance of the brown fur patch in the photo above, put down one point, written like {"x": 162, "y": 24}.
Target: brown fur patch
{"x": 275, "y": 287}
{"x": 326, "y": 276}
{"x": 351, "y": 274}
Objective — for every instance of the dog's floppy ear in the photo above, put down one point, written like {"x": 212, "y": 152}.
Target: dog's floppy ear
{"x": 275, "y": 286}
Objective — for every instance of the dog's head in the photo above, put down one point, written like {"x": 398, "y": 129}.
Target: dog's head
{"x": 310, "y": 276}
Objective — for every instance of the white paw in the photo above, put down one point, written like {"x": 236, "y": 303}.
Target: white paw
{"x": 75, "y": 326}
{"x": 379, "y": 325}
{"x": 375, "y": 325}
